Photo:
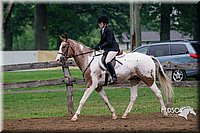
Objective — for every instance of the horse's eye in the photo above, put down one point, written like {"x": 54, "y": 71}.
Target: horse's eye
{"x": 63, "y": 46}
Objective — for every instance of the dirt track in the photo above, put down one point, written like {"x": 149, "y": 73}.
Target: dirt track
{"x": 134, "y": 123}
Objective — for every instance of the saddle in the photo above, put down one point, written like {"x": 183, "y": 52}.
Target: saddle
{"x": 113, "y": 61}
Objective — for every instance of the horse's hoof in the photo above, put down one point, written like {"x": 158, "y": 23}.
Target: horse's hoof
{"x": 124, "y": 116}
{"x": 74, "y": 119}
{"x": 114, "y": 117}
{"x": 165, "y": 114}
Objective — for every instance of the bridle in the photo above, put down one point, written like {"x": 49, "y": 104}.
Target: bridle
{"x": 66, "y": 53}
{"x": 69, "y": 46}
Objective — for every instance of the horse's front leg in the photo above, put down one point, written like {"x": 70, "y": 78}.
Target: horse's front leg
{"x": 86, "y": 95}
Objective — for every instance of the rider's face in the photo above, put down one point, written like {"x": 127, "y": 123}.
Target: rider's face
{"x": 101, "y": 25}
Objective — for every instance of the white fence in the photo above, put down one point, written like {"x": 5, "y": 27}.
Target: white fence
{"x": 19, "y": 57}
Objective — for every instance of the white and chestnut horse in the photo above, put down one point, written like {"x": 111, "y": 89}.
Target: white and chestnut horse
{"x": 134, "y": 67}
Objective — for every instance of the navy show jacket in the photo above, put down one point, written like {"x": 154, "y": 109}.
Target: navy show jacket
{"x": 108, "y": 42}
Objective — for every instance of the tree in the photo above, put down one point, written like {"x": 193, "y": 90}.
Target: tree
{"x": 182, "y": 18}
{"x": 132, "y": 27}
{"x": 166, "y": 10}
{"x": 80, "y": 20}
{"x": 7, "y": 31}
{"x": 41, "y": 27}
{"x": 197, "y": 29}
{"x": 19, "y": 16}
{"x": 135, "y": 24}
{"x": 150, "y": 14}
{"x": 138, "y": 36}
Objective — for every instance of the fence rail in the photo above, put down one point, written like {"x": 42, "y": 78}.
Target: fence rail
{"x": 39, "y": 83}
{"x": 70, "y": 81}
{"x": 169, "y": 67}
{"x": 38, "y": 65}
{"x": 41, "y": 65}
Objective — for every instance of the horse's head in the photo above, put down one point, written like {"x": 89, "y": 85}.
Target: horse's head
{"x": 65, "y": 50}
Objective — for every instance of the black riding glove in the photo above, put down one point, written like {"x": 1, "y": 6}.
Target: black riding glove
{"x": 97, "y": 48}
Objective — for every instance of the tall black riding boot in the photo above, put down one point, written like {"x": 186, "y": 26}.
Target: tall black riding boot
{"x": 112, "y": 72}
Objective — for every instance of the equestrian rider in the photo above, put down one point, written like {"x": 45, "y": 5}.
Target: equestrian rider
{"x": 108, "y": 44}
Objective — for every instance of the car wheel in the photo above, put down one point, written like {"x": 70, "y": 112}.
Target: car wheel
{"x": 178, "y": 75}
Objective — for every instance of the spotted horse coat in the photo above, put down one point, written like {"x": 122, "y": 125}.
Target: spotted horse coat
{"x": 136, "y": 67}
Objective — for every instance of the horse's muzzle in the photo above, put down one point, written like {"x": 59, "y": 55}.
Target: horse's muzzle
{"x": 61, "y": 59}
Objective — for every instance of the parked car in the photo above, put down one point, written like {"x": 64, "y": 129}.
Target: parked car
{"x": 177, "y": 52}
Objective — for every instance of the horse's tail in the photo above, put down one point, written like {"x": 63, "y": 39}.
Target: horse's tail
{"x": 164, "y": 80}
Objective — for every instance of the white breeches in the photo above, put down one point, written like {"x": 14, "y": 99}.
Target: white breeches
{"x": 110, "y": 56}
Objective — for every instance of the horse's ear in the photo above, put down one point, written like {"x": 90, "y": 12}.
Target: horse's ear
{"x": 66, "y": 36}
{"x": 62, "y": 39}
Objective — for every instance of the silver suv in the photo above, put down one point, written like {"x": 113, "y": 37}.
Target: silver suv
{"x": 177, "y": 52}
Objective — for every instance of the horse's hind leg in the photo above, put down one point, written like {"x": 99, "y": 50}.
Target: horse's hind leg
{"x": 133, "y": 97}
{"x": 157, "y": 92}
{"x": 102, "y": 93}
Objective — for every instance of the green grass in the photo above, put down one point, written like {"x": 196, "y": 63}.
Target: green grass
{"x": 54, "y": 104}
{"x": 21, "y": 76}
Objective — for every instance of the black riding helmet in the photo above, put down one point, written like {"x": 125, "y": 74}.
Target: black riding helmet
{"x": 103, "y": 18}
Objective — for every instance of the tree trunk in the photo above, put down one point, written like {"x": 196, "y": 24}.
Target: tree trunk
{"x": 8, "y": 35}
{"x": 197, "y": 29}
{"x": 132, "y": 29}
{"x": 8, "y": 39}
{"x": 135, "y": 24}
{"x": 166, "y": 10}
{"x": 41, "y": 27}
{"x": 137, "y": 19}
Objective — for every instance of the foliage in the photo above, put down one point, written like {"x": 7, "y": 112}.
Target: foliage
{"x": 79, "y": 20}
{"x": 22, "y": 16}
{"x": 24, "y": 41}
{"x": 183, "y": 17}
{"x": 150, "y": 16}
{"x": 92, "y": 39}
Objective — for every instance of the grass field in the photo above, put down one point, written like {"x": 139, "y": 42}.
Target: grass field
{"x": 54, "y": 104}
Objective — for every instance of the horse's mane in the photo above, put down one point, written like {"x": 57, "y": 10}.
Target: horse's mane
{"x": 78, "y": 42}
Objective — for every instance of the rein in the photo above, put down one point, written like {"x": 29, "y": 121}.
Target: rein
{"x": 90, "y": 62}
{"x": 77, "y": 54}
{"x": 73, "y": 51}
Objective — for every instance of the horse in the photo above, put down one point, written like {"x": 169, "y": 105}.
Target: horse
{"x": 133, "y": 67}
{"x": 184, "y": 111}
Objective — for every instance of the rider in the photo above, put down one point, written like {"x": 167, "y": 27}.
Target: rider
{"x": 108, "y": 44}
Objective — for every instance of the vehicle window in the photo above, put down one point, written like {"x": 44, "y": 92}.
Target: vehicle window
{"x": 177, "y": 49}
{"x": 196, "y": 47}
{"x": 159, "y": 50}
{"x": 142, "y": 50}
